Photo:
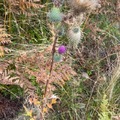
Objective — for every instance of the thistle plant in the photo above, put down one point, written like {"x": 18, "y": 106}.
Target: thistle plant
{"x": 71, "y": 21}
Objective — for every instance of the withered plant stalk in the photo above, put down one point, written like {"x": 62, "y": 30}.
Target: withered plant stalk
{"x": 51, "y": 67}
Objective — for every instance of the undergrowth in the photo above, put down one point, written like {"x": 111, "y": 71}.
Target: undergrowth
{"x": 65, "y": 66}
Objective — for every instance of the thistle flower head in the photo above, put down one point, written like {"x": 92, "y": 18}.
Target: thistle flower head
{"x": 83, "y": 5}
{"x": 55, "y": 15}
{"x": 62, "y": 49}
{"x": 74, "y": 35}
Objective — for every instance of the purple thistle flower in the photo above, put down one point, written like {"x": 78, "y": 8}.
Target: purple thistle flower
{"x": 62, "y": 49}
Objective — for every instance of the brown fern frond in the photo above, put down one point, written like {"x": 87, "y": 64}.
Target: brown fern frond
{"x": 19, "y": 6}
{"x": 1, "y": 51}
{"x": 7, "y": 50}
{"x": 7, "y": 78}
{"x": 5, "y": 75}
{"x": 38, "y": 65}
{"x": 32, "y": 5}
{"x": 4, "y": 37}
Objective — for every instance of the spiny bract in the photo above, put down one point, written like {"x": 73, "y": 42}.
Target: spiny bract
{"x": 55, "y": 15}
